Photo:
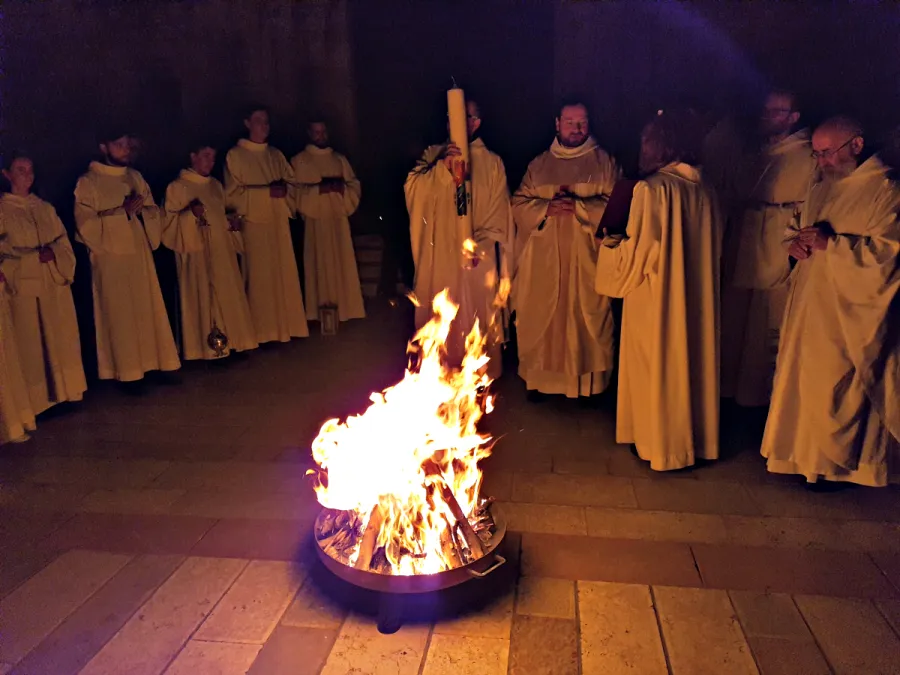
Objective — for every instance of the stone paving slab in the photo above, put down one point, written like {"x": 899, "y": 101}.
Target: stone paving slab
{"x": 360, "y": 647}
{"x": 619, "y": 630}
{"x": 466, "y": 655}
{"x": 252, "y": 607}
{"x": 701, "y": 633}
{"x": 544, "y": 597}
{"x": 543, "y": 646}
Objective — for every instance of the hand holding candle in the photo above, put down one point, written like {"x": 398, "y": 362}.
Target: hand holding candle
{"x": 458, "y": 164}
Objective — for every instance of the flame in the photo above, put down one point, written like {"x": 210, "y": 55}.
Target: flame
{"x": 375, "y": 460}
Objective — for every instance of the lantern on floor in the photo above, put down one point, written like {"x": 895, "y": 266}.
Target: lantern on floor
{"x": 328, "y": 318}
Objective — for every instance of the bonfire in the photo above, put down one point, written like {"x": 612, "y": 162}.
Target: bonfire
{"x": 401, "y": 482}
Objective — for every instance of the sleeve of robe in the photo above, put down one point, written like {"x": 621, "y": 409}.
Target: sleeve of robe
{"x": 235, "y": 187}
{"x": 589, "y": 210}
{"x": 352, "y": 188}
{"x": 623, "y": 264}
{"x": 529, "y": 209}
{"x": 88, "y": 222}
{"x": 865, "y": 274}
{"x": 64, "y": 257}
{"x": 151, "y": 216}
{"x": 496, "y": 221}
{"x": 423, "y": 182}
{"x": 180, "y": 231}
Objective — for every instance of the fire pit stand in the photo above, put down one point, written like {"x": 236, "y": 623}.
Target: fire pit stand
{"x": 392, "y": 588}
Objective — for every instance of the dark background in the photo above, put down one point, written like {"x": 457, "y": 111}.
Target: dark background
{"x": 378, "y": 71}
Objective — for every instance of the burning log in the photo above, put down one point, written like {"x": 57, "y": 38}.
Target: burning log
{"x": 369, "y": 539}
{"x": 484, "y": 524}
{"x": 471, "y": 538}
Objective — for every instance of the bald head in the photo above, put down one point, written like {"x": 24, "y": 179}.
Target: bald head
{"x": 842, "y": 125}
{"x": 837, "y": 144}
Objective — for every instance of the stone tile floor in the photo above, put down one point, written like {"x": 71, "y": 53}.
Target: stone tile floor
{"x": 169, "y": 534}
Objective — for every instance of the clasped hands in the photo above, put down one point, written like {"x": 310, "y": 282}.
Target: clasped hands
{"x": 133, "y": 203}
{"x": 199, "y": 211}
{"x": 562, "y": 204}
{"x": 810, "y": 239}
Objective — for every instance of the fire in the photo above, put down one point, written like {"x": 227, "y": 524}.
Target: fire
{"x": 403, "y": 476}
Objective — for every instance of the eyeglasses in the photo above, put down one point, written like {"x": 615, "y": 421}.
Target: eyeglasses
{"x": 775, "y": 112}
{"x": 825, "y": 154}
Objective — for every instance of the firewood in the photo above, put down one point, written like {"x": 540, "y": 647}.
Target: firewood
{"x": 472, "y": 541}
{"x": 369, "y": 539}
{"x": 452, "y": 553}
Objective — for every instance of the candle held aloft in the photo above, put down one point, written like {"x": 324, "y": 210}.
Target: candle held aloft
{"x": 460, "y": 168}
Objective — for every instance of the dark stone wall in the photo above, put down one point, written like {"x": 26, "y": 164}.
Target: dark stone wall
{"x": 378, "y": 70}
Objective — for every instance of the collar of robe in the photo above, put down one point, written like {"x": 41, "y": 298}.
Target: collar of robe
{"x": 16, "y": 200}
{"x": 682, "y": 170}
{"x": 559, "y": 150}
{"x": 871, "y": 168}
{"x": 108, "y": 169}
{"x": 798, "y": 138}
{"x": 250, "y": 145}
{"x": 316, "y": 150}
{"x": 193, "y": 176}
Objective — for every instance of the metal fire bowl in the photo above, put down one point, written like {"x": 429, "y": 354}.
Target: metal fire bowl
{"x": 418, "y": 583}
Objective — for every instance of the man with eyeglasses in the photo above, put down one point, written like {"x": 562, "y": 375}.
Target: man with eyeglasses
{"x": 437, "y": 243}
{"x": 565, "y": 329}
{"x": 835, "y": 413}
{"x": 756, "y": 266}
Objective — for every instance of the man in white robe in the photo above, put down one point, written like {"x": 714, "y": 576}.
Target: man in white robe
{"x": 16, "y": 415}
{"x": 756, "y": 267}
{"x": 257, "y": 177}
{"x": 40, "y": 275}
{"x": 120, "y": 224}
{"x": 326, "y": 193}
{"x": 835, "y": 412}
{"x": 437, "y": 243}
{"x": 666, "y": 267}
{"x": 565, "y": 330}
{"x": 206, "y": 245}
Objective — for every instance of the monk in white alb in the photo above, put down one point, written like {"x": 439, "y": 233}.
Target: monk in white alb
{"x": 666, "y": 267}
{"x": 755, "y": 266}
{"x": 120, "y": 225}
{"x": 437, "y": 241}
{"x": 209, "y": 279}
{"x": 835, "y": 412}
{"x": 565, "y": 330}
{"x": 40, "y": 275}
{"x": 256, "y": 187}
{"x": 326, "y": 193}
{"x": 16, "y": 415}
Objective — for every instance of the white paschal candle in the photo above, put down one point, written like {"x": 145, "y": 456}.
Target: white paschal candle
{"x": 459, "y": 135}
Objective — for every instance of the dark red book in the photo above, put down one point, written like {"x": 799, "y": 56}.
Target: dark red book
{"x": 615, "y": 217}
